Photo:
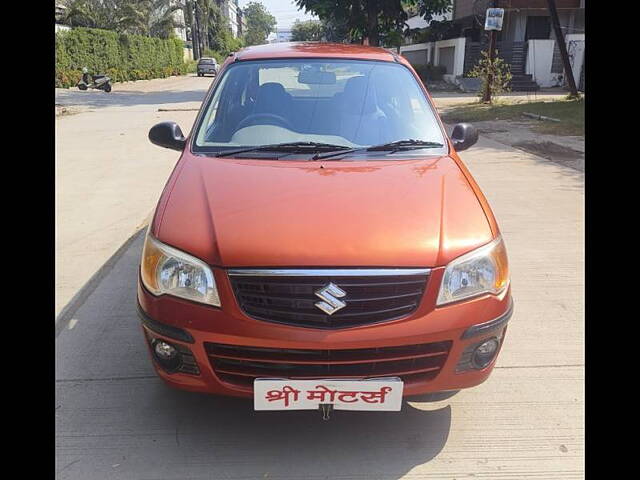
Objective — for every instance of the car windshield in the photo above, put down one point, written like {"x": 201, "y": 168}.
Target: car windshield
{"x": 207, "y": 61}
{"x": 339, "y": 102}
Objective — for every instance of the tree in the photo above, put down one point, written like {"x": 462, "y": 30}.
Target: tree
{"x": 260, "y": 23}
{"x": 143, "y": 17}
{"x": 307, "y": 31}
{"x": 335, "y": 30}
{"x": 494, "y": 73}
{"x": 162, "y": 20}
{"x": 373, "y": 19}
{"x": 91, "y": 14}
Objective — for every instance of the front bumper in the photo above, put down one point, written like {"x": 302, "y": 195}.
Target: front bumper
{"x": 194, "y": 328}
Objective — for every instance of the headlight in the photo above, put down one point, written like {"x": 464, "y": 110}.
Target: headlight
{"x": 484, "y": 270}
{"x": 165, "y": 269}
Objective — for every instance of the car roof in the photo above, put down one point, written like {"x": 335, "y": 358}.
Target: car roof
{"x": 207, "y": 58}
{"x": 315, "y": 50}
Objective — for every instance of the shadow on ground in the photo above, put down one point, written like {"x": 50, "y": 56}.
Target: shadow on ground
{"x": 98, "y": 99}
{"x": 116, "y": 419}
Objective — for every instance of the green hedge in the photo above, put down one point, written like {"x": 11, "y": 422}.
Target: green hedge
{"x": 122, "y": 57}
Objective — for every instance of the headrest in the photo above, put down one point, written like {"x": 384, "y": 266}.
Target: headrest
{"x": 272, "y": 98}
{"x": 358, "y": 97}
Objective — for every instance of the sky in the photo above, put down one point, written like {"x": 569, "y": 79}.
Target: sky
{"x": 285, "y": 11}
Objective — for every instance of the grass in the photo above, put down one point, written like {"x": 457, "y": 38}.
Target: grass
{"x": 569, "y": 112}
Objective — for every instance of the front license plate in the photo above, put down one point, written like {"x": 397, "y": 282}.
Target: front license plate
{"x": 382, "y": 394}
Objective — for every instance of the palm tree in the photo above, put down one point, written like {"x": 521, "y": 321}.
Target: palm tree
{"x": 143, "y": 17}
{"x": 162, "y": 18}
{"x": 91, "y": 13}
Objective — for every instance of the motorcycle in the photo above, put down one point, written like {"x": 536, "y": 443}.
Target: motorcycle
{"x": 100, "y": 82}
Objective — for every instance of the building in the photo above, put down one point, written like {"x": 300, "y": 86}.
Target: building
{"x": 181, "y": 29}
{"x": 527, "y": 42}
{"x": 417, "y": 21}
{"x": 242, "y": 23}
{"x": 233, "y": 13}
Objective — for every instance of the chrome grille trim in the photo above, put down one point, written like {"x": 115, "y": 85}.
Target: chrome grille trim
{"x": 331, "y": 272}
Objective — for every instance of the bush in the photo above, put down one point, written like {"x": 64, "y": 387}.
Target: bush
{"x": 190, "y": 66}
{"x": 497, "y": 69}
{"x": 220, "y": 58}
{"x": 430, "y": 72}
{"x": 122, "y": 57}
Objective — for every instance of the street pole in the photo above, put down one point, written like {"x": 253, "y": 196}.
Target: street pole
{"x": 486, "y": 97}
{"x": 568, "y": 71}
{"x": 197, "y": 52}
{"x": 194, "y": 31}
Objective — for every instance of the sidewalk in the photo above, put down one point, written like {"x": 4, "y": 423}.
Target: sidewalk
{"x": 565, "y": 150}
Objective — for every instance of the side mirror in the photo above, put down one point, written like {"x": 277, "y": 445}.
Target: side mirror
{"x": 464, "y": 135}
{"x": 167, "y": 135}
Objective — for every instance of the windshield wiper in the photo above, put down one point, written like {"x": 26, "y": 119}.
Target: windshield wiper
{"x": 403, "y": 145}
{"x": 397, "y": 146}
{"x": 295, "y": 147}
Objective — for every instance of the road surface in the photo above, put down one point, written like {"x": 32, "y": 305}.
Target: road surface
{"x": 116, "y": 420}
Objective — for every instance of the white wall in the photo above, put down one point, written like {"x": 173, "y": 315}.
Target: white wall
{"x": 458, "y": 58}
{"x": 575, "y": 48}
{"x": 539, "y": 58}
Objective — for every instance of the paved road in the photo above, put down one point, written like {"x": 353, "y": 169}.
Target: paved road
{"x": 108, "y": 176}
{"x": 116, "y": 420}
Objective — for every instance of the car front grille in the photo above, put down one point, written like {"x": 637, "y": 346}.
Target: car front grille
{"x": 240, "y": 365}
{"x": 289, "y": 296}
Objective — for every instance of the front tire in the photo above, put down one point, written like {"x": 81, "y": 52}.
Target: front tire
{"x": 82, "y": 86}
{"x": 107, "y": 87}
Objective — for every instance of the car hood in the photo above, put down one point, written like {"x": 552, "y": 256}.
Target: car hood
{"x": 255, "y": 212}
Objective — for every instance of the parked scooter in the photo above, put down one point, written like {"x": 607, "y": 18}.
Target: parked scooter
{"x": 101, "y": 82}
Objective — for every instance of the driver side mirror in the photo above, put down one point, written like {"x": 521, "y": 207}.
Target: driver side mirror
{"x": 463, "y": 136}
{"x": 167, "y": 135}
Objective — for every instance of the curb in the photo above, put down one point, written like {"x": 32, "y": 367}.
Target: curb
{"x": 65, "y": 315}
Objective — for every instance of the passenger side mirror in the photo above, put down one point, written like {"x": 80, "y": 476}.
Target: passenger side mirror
{"x": 464, "y": 135}
{"x": 167, "y": 135}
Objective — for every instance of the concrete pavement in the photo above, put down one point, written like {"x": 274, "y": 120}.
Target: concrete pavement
{"x": 116, "y": 420}
{"x": 108, "y": 175}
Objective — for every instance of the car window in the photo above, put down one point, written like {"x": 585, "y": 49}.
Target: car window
{"x": 345, "y": 102}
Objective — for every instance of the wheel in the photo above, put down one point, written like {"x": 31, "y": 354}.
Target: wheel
{"x": 82, "y": 86}
{"x": 199, "y": 74}
{"x": 107, "y": 87}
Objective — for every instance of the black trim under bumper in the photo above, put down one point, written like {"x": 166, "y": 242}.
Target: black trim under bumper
{"x": 491, "y": 325}
{"x": 162, "y": 329}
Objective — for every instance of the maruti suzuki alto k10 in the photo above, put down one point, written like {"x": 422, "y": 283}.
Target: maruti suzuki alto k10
{"x": 320, "y": 244}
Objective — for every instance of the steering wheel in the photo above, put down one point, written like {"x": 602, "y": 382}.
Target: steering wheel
{"x": 253, "y": 119}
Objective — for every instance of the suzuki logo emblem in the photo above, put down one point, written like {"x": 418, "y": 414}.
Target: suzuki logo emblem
{"x": 329, "y": 294}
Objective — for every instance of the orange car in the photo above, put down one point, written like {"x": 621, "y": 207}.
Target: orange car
{"x": 319, "y": 243}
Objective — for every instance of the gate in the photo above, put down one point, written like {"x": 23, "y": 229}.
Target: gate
{"x": 513, "y": 53}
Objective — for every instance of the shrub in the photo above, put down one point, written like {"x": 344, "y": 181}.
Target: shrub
{"x": 220, "y": 58}
{"x": 497, "y": 69}
{"x": 122, "y": 57}
{"x": 190, "y": 66}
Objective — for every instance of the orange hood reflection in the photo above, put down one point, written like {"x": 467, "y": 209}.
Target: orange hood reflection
{"x": 398, "y": 213}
